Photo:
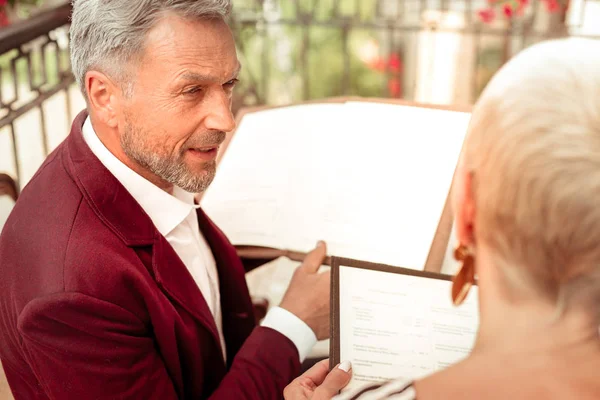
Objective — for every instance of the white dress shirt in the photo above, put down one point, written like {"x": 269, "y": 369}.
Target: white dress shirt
{"x": 175, "y": 218}
{"x": 6, "y": 206}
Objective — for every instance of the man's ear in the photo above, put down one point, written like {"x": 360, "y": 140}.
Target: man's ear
{"x": 464, "y": 207}
{"x": 103, "y": 96}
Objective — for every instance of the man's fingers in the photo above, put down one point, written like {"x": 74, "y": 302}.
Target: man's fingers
{"x": 334, "y": 382}
{"x": 314, "y": 259}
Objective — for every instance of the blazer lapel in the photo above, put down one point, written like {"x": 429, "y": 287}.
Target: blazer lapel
{"x": 173, "y": 277}
{"x": 236, "y": 305}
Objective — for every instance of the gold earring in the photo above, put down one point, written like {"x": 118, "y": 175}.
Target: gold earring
{"x": 465, "y": 277}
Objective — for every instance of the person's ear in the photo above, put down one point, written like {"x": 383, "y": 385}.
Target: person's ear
{"x": 103, "y": 97}
{"x": 464, "y": 207}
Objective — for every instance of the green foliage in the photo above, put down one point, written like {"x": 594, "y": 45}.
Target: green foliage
{"x": 25, "y": 2}
{"x": 24, "y": 8}
{"x": 490, "y": 60}
{"x": 322, "y": 58}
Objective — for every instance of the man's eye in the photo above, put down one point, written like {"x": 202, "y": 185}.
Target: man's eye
{"x": 194, "y": 90}
{"x": 231, "y": 83}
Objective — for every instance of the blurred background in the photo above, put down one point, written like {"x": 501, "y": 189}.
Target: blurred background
{"x": 429, "y": 51}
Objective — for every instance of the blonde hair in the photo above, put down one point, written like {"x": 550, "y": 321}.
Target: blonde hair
{"x": 533, "y": 149}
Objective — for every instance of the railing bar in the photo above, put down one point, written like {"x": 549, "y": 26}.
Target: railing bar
{"x": 13, "y": 70}
{"x": 477, "y": 52}
{"x": 507, "y": 51}
{"x": 15, "y": 152}
{"x": 469, "y": 11}
{"x": 315, "y": 7}
{"x": 36, "y": 102}
{"x": 59, "y": 66}
{"x": 29, "y": 69}
{"x": 537, "y": 8}
{"x": 388, "y": 70}
{"x": 304, "y": 58}
{"x": 68, "y": 104}
{"x": 1, "y": 87}
{"x": 346, "y": 52}
{"x": 44, "y": 131}
{"x": 525, "y": 29}
{"x": 336, "y": 8}
{"x": 265, "y": 63}
{"x": 400, "y": 67}
{"x": 298, "y": 10}
{"x": 415, "y": 71}
{"x": 384, "y": 86}
{"x": 379, "y": 10}
{"x": 582, "y": 9}
{"x": 43, "y": 60}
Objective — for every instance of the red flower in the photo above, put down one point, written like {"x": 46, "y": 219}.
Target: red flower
{"x": 3, "y": 3}
{"x": 394, "y": 63}
{"x": 508, "y": 11}
{"x": 394, "y": 87}
{"x": 3, "y": 18}
{"x": 521, "y": 7}
{"x": 486, "y": 15}
{"x": 552, "y": 5}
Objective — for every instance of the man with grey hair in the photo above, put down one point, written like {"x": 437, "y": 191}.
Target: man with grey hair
{"x": 115, "y": 284}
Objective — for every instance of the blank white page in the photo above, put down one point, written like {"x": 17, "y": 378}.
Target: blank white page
{"x": 389, "y": 181}
{"x": 265, "y": 184}
{"x": 371, "y": 179}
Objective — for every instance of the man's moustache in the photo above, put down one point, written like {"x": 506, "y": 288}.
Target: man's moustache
{"x": 211, "y": 139}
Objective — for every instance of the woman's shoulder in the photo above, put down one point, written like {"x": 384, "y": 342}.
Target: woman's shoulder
{"x": 398, "y": 389}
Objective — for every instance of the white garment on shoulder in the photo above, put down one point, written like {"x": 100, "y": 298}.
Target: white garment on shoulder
{"x": 400, "y": 389}
{"x": 6, "y": 206}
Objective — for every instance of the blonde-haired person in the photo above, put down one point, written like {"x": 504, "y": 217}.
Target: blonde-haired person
{"x": 526, "y": 200}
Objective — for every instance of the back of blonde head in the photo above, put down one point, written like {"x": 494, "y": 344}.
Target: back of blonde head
{"x": 533, "y": 149}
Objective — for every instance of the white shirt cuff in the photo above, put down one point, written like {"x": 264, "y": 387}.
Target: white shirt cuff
{"x": 293, "y": 328}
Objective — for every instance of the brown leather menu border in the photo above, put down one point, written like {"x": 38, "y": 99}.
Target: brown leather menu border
{"x": 336, "y": 263}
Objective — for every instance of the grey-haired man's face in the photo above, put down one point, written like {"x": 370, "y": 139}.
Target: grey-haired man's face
{"x": 180, "y": 107}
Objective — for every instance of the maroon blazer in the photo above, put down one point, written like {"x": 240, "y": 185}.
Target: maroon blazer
{"x": 95, "y": 303}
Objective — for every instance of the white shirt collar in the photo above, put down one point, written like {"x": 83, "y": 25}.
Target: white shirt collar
{"x": 165, "y": 210}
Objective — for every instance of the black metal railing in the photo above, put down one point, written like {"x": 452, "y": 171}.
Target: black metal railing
{"x": 34, "y": 67}
{"x": 296, "y": 50}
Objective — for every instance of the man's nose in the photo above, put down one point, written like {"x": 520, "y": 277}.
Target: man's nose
{"x": 219, "y": 116}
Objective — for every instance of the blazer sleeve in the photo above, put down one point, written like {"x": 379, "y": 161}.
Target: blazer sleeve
{"x": 80, "y": 347}
{"x": 266, "y": 363}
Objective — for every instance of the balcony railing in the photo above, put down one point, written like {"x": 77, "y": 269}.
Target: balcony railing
{"x": 34, "y": 68}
